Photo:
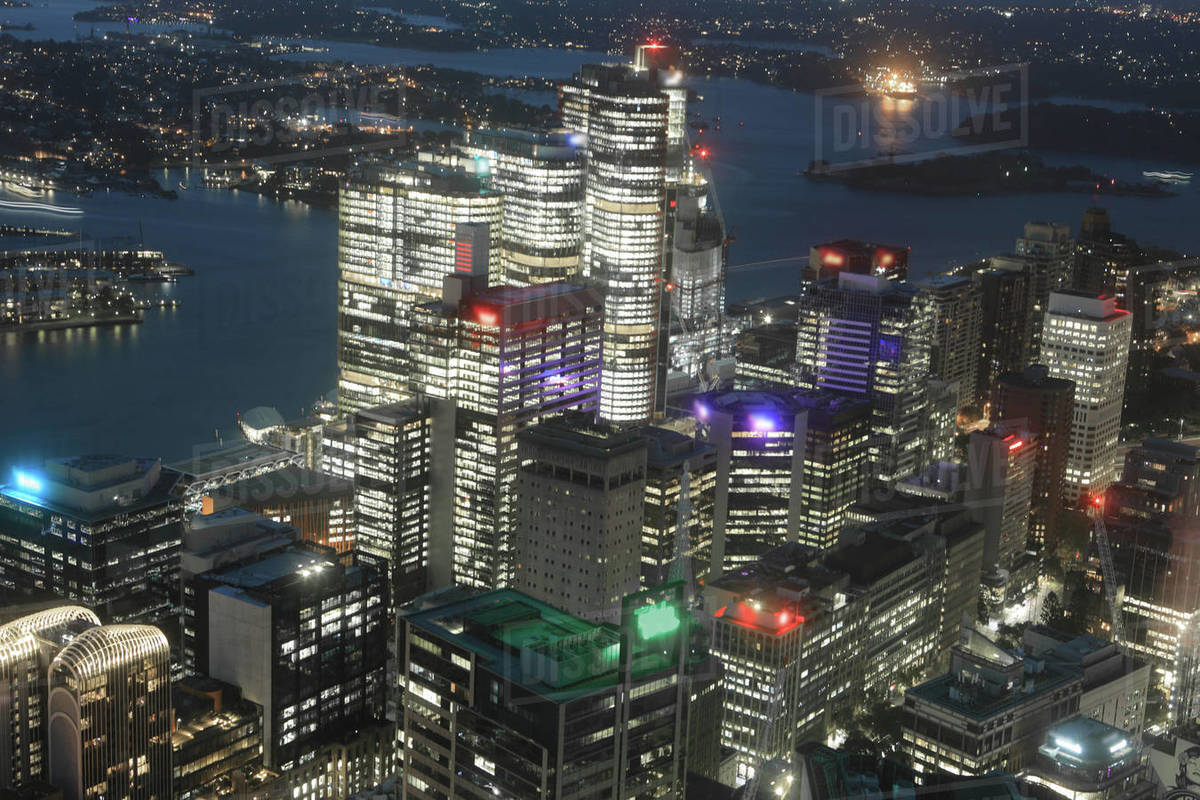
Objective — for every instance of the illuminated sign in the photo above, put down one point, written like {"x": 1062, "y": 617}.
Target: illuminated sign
{"x": 656, "y": 620}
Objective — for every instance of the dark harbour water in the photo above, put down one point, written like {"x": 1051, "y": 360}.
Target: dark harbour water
{"x": 256, "y": 325}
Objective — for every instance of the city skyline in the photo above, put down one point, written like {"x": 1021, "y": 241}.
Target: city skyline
{"x": 574, "y": 519}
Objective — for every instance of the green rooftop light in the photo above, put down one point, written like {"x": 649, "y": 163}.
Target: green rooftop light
{"x": 656, "y": 620}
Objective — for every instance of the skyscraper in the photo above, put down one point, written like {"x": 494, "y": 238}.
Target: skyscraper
{"x": 1086, "y": 340}
{"x": 1043, "y": 406}
{"x": 760, "y": 439}
{"x": 493, "y": 362}
{"x": 27, "y": 644}
{"x": 103, "y": 531}
{"x": 957, "y": 326}
{"x": 670, "y": 455}
{"x": 1004, "y": 333}
{"x": 696, "y": 279}
{"x": 835, "y": 462}
{"x": 867, "y": 336}
{"x": 540, "y": 176}
{"x": 1000, "y": 479}
{"x": 397, "y": 234}
{"x": 392, "y": 485}
{"x": 303, "y": 633}
{"x": 110, "y": 715}
{"x": 624, "y": 116}
{"x": 579, "y": 517}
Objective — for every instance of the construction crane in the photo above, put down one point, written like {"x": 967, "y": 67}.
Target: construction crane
{"x": 765, "y": 734}
{"x": 1108, "y": 573}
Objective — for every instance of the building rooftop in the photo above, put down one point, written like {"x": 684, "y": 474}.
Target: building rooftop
{"x": 531, "y": 643}
{"x": 948, "y": 692}
{"x": 578, "y": 432}
{"x": 1083, "y": 742}
{"x": 93, "y": 487}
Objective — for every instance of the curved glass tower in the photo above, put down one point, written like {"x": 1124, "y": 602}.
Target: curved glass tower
{"x": 110, "y": 715}
{"x": 623, "y": 114}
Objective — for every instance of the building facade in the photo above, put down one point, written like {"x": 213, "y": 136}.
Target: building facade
{"x": 623, "y": 115}
{"x": 1086, "y": 340}
{"x": 109, "y": 709}
{"x": 493, "y": 362}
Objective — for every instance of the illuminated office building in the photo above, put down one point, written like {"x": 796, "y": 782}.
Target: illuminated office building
{"x": 27, "y": 644}
{"x": 392, "y": 477}
{"x": 397, "y": 237}
{"x": 493, "y": 362}
{"x": 957, "y": 323}
{"x": 110, "y": 715}
{"x": 989, "y": 713}
{"x": 216, "y": 732}
{"x": 540, "y": 176}
{"x": 103, "y": 531}
{"x": 866, "y": 336}
{"x": 1043, "y": 406}
{"x": 806, "y": 636}
{"x": 539, "y": 703}
{"x": 696, "y": 280}
{"x": 1086, "y": 340}
{"x": 835, "y": 462}
{"x": 624, "y": 116}
{"x": 760, "y": 442}
{"x": 303, "y": 633}
{"x": 580, "y": 490}
{"x": 671, "y": 455}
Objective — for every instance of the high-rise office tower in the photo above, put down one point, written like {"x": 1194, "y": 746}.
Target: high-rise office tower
{"x": 303, "y": 633}
{"x": 624, "y": 116}
{"x": 1086, "y": 340}
{"x": 110, "y": 715}
{"x": 867, "y": 336}
{"x": 493, "y": 362}
{"x": 765, "y": 356}
{"x": 670, "y": 455}
{"x": 835, "y": 462}
{"x": 27, "y": 644}
{"x": 1043, "y": 406}
{"x": 579, "y": 515}
{"x": 1004, "y": 332}
{"x": 831, "y": 259}
{"x": 103, "y": 531}
{"x": 397, "y": 239}
{"x": 1001, "y": 462}
{"x": 540, "y": 176}
{"x": 805, "y": 635}
{"x": 696, "y": 279}
{"x": 1050, "y": 252}
{"x": 392, "y": 485}
{"x": 760, "y": 438}
{"x": 539, "y": 703}
{"x": 957, "y": 325}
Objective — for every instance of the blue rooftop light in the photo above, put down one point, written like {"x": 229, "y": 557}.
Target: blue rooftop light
{"x": 762, "y": 422}
{"x": 27, "y": 482}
